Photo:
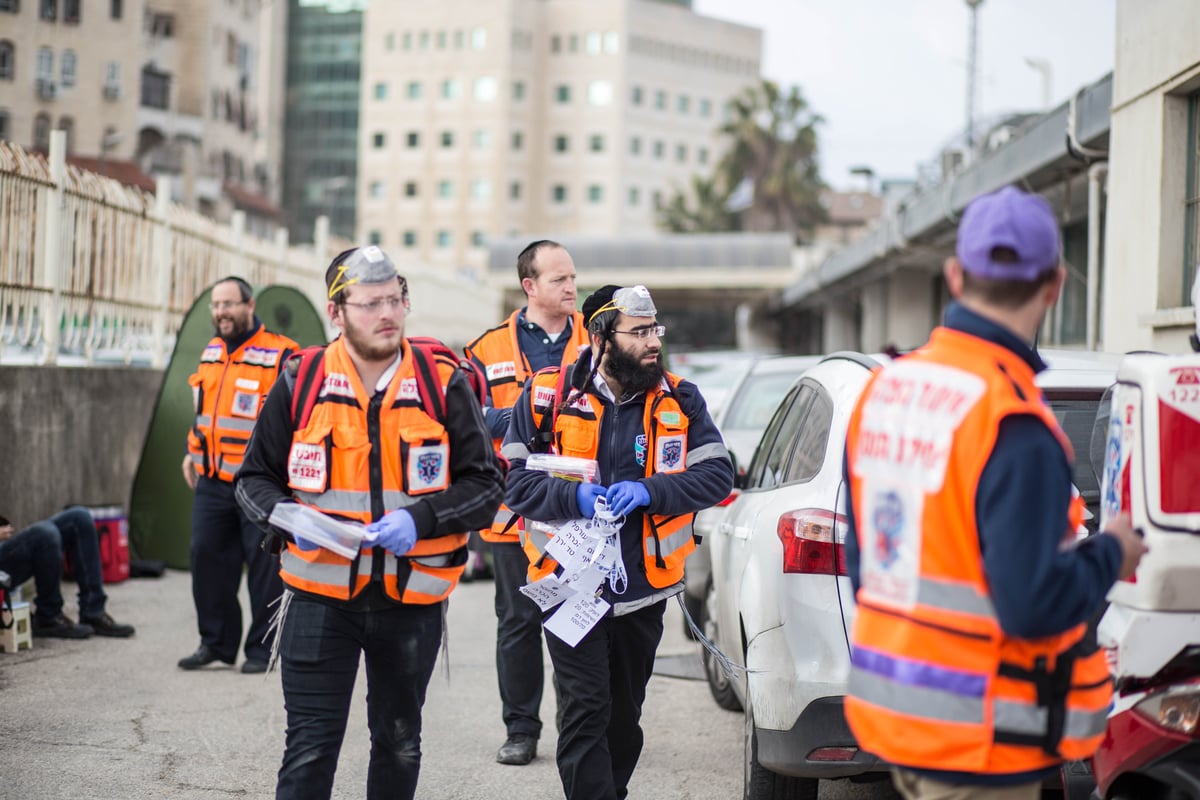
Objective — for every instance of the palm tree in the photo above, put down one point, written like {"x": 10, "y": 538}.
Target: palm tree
{"x": 773, "y": 146}
{"x": 708, "y": 215}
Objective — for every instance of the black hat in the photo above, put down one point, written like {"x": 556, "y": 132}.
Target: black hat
{"x": 597, "y": 300}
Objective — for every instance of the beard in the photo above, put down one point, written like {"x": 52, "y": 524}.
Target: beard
{"x": 379, "y": 349}
{"x": 633, "y": 376}
{"x": 238, "y": 325}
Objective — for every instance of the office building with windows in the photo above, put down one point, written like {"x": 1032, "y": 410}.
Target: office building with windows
{"x": 536, "y": 117}
{"x": 181, "y": 87}
{"x": 324, "y": 50}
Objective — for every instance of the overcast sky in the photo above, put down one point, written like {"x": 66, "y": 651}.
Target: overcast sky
{"x": 890, "y": 76}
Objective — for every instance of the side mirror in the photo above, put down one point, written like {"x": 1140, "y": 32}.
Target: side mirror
{"x": 739, "y": 475}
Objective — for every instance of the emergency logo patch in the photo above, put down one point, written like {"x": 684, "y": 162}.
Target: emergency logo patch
{"x": 408, "y": 390}
{"x": 427, "y": 469}
{"x": 245, "y": 404}
{"x": 639, "y": 449}
{"x": 888, "y": 522}
{"x": 212, "y": 353}
{"x": 670, "y": 455}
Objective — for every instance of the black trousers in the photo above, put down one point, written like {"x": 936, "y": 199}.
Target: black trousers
{"x": 601, "y": 688}
{"x": 519, "y": 667}
{"x": 224, "y": 540}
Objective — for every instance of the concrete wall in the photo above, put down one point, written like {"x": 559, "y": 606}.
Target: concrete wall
{"x": 1157, "y": 65}
{"x": 71, "y": 436}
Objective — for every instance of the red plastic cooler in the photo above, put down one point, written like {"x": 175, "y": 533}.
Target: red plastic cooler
{"x": 113, "y": 529}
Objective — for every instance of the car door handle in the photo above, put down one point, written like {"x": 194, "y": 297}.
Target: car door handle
{"x": 741, "y": 531}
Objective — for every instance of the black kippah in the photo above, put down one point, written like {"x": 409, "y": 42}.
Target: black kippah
{"x": 597, "y": 300}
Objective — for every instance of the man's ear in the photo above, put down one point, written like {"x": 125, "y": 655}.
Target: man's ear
{"x": 953, "y": 272}
{"x": 334, "y": 312}
{"x": 526, "y": 285}
{"x": 1054, "y": 288}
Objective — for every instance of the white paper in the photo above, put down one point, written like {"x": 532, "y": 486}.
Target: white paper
{"x": 576, "y": 617}
{"x": 547, "y": 592}
{"x": 343, "y": 538}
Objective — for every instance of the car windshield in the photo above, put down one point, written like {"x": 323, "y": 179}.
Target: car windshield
{"x": 756, "y": 400}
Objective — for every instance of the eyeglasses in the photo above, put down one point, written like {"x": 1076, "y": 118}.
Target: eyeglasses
{"x": 645, "y": 333}
{"x": 225, "y": 305}
{"x": 375, "y": 306}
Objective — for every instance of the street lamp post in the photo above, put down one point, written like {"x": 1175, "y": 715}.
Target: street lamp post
{"x": 1044, "y": 69}
{"x": 972, "y": 69}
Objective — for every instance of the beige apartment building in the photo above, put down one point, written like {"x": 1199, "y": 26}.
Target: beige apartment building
{"x": 535, "y": 117}
{"x": 181, "y": 87}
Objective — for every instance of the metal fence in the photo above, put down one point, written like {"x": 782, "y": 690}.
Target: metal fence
{"x": 93, "y": 271}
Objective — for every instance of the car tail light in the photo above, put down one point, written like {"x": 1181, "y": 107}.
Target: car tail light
{"x": 812, "y": 542}
{"x": 1176, "y": 709}
{"x": 732, "y": 496}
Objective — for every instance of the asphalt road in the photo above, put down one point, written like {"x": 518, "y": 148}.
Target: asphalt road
{"x": 101, "y": 718}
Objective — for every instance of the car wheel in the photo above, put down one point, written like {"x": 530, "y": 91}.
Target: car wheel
{"x": 761, "y": 783}
{"x": 719, "y": 683}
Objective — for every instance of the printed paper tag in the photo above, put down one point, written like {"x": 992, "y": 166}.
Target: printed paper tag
{"x": 306, "y": 467}
{"x": 574, "y": 619}
{"x": 547, "y": 592}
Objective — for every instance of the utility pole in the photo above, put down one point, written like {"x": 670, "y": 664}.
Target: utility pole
{"x": 972, "y": 71}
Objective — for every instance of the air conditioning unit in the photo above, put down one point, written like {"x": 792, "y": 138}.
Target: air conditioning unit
{"x": 46, "y": 89}
{"x": 112, "y": 91}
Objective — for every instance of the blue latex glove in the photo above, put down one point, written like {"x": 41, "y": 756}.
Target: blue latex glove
{"x": 625, "y": 496}
{"x": 395, "y": 531}
{"x": 586, "y": 495}
{"x": 304, "y": 544}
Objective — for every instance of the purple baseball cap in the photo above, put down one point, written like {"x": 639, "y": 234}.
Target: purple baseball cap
{"x": 1008, "y": 218}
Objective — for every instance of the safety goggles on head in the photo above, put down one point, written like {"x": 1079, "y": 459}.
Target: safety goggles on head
{"x": 632, "y": 301}
{"x": 365, "y": 266}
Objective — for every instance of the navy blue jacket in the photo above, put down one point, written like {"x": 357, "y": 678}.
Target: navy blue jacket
{"x": 621, "y": 457}
{"x": 1021, "y": 504}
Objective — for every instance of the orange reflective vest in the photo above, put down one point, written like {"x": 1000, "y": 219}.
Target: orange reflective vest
{"x": 507, "y": 368}
{"x": 360, "y": 456}
{"x": 935, "y": 682}
{"x": 666, "y": 540}
{"x": 228, "y": 390}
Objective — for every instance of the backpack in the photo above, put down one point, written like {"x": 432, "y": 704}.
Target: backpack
{"x": 426, "y": 350}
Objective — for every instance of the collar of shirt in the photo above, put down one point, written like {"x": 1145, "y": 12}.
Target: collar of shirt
{"x": 389, "y": 373}
{"x": 960, "y": 318}
{"x": 533, "y": 327}
{"x": 238, "y": 341}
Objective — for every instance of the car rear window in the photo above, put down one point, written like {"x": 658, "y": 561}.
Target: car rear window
{"x": 1077, "y": 416}
{"x": 756, "y": 400}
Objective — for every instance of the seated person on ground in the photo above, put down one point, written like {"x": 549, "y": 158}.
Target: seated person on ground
{"x": 37, "y": 552}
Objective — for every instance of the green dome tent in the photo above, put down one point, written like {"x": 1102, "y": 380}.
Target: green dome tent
{"x": 160, "y": 504}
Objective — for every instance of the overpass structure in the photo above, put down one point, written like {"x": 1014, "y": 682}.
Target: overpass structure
{"x": 711, "y": 290}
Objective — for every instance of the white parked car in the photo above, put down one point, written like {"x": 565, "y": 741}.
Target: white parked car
{"x": 780, "y": 602}
{"x": 742, "y": 418}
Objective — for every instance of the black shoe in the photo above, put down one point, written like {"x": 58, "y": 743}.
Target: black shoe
{"x": 104, "y": 625}
{"x": 61, "y": 627}
{"x": 203, "y": 656}
{"x": 253, "y": 666}
{"x": 518, "y": 750}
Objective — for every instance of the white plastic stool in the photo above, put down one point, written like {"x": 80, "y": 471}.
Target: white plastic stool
{"x": 21, "y": 633}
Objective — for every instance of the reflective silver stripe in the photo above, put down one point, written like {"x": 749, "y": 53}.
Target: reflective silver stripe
{"x": 673, "y": 542}
{"x": 229, "y": 466}
{"x": 203, "y": 420}
{"x": 503, "y": 515}
{"x": 337, "y": 500}
{"x": 323, "y": 573}
{"x": 540, "y": 540}
{"x": 348, "y": 501}
{"x": 514, "y": 450}
{"x": 1029, "y": 719}
{"x": 425, "y": 583}
{"x": 366, "y": 562}
{"x": 914, "y": 701}
{"x": 436, "y": 560}
{"x": 235, "y": 424}
{"x": 198, "y": 460}
{"x": 955, "y": 596}
{"x": 706, "y": 452}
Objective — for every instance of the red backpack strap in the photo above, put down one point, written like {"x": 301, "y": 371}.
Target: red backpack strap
{"x": 305, "y": 382}
{"x": 429, "y": 385}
